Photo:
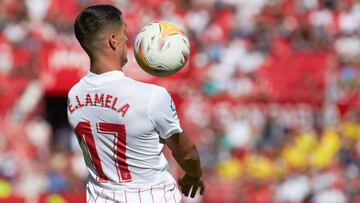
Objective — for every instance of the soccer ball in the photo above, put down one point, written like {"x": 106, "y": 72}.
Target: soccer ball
{"x": 161, "y": 49}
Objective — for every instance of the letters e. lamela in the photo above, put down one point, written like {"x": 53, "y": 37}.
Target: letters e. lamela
{"x": 102, "y": 100}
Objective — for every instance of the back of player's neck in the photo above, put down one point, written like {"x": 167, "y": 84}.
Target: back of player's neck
{"x": 99, "y": 69}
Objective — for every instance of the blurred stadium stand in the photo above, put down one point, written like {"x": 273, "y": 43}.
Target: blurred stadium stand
{"x": 270, "y": 95}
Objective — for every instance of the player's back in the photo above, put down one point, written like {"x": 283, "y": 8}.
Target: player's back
{"x": 114, "y": 118}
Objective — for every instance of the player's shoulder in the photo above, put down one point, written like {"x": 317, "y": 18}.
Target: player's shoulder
{"x": 74, "y": 89}
{"x": 159, "y": 94}
{"x": 150, "y": 88}
{"x": 160, "y": 90}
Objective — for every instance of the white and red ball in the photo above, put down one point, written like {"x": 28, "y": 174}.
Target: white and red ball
{"x": 161, "y": 49}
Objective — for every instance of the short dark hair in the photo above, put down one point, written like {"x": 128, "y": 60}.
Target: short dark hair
{"x": 92, "y": 20}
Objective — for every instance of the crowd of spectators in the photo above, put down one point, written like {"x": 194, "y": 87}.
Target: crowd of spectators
{"x": 270, "y": 95}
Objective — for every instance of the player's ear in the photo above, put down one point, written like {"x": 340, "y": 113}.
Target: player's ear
{"x": 112, "y": 41}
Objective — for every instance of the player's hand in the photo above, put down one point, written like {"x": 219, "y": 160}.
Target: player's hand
{"x": 187, "y": 182}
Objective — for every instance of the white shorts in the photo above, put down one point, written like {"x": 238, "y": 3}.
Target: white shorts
{"x": 165, "y": 192}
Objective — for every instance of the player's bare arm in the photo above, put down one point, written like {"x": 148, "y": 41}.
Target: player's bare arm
{"x": 187, "y": 156}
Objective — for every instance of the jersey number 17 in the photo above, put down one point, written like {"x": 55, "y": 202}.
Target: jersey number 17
{"x": 83, "y": 132}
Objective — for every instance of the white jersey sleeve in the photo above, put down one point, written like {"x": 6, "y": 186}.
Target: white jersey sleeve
{"x": 163, "y": 114}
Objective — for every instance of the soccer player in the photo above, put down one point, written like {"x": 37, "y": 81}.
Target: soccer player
{"x": 121, "y": 124}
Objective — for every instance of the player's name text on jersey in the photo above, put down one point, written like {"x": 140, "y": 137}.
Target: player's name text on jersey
{"x": 101, "y": 100}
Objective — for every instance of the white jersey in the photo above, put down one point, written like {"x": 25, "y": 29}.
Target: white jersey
{"x": 119, "y": 122}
